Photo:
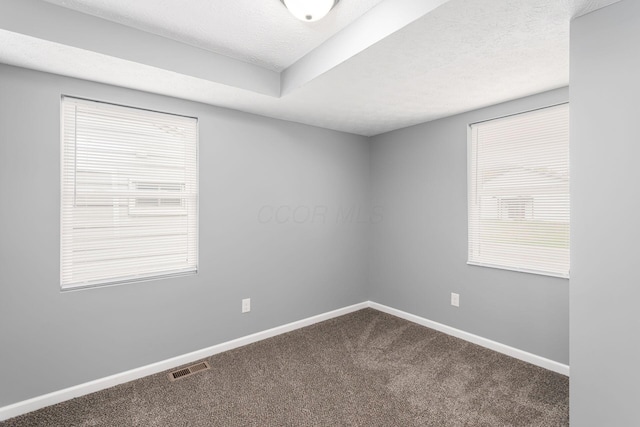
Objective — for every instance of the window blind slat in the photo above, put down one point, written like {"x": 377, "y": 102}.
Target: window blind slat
{"x": 519, "y": 192}
{"x": 129, "y": 194}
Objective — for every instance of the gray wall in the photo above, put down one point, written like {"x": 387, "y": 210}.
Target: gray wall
{"x": 605, "y": 227}
{"x": 291, "y": 269}
{"x": 419, "y": 250}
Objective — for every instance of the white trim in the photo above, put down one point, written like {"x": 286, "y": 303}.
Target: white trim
{"x": 520, "y": 270}
{"x": 484, "y": 342}
{"x": 48, "y": 399}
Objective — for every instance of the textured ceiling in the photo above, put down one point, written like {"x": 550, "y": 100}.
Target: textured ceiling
{"x": 260, "y": 32}
{"x": 464, "y": 55}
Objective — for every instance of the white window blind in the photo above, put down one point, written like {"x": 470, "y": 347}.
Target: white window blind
{"x": 129, "y": 194}
{"x": 519, "y": 192}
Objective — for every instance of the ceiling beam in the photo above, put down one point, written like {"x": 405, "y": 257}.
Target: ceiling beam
{"x": 52, "y": 23}
{"x": 383, "y": 20}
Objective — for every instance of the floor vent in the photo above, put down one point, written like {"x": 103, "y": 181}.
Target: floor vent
{"x": 188, "y": 371}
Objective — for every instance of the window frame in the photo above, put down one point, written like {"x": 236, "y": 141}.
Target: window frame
{"x": 470, "y": 195}
{"x": 140, "y": 277}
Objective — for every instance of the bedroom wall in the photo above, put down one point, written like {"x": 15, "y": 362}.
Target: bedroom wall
{"x": 309, "y": 259}
{"x": 605, "y": 226}
{"x": 419, "y": 250}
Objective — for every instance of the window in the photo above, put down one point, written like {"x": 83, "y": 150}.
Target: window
{"x": 519, "y": 192}
{"x": 129, "y": 194}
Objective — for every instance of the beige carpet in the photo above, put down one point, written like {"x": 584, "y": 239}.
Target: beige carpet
{"x": 363, "y": 369}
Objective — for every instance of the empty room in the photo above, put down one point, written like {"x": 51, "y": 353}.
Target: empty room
{"x": 319, "y": 213}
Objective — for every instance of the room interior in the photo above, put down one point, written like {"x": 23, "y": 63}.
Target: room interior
{"x": 332, "y": 178}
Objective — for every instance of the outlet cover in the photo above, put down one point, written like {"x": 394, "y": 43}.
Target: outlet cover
{"x": 455, "y": 299}
{"x": 246, "y": 305}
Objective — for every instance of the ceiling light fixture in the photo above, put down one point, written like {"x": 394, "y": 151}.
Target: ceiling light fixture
{"x": 309, "y": 10}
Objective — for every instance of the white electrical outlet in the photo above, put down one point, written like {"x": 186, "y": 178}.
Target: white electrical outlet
{"x": 246, "y": 305}
{"x": 455, "y": 299}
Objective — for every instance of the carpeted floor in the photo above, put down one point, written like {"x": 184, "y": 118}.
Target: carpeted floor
{"x": 363, "y": 369}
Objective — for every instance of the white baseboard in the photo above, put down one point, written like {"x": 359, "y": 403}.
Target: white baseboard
{"x": 484, "y": 342}
{"x": 48, "y": 399}
{"x": 100, "y": 384}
